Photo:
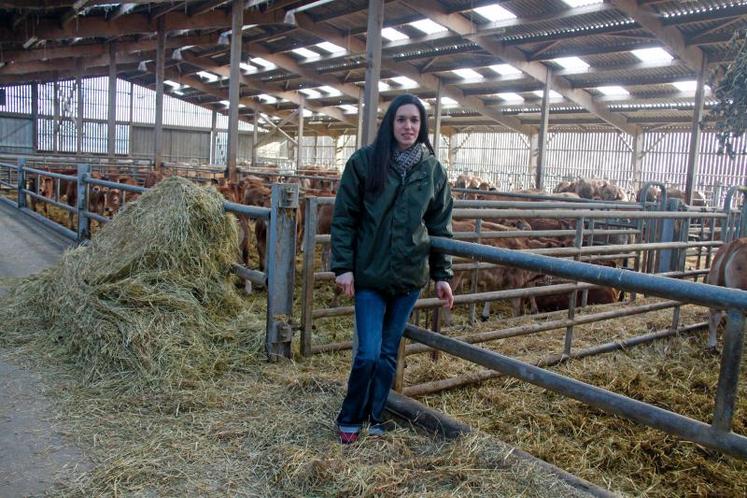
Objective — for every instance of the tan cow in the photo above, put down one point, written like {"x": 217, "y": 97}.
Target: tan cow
{"x": 729, "y": 269}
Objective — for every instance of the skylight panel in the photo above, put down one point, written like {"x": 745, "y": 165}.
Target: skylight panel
{"x": 311, "y": 93}
{"x": 505, "y": 69}
{"x": 331, "y": 47}
{"x": 248, "y": 68}
{"x": 494, "y": 13}
{"x": 655, "y": 54}
{"x": 581, "y": 3}
{"x": 225, "y": 102}
{"x": 613, "y": 91}
{"x": 392, "y": 34}
{"x": 262, "y": 62}
{"x": 348, "y": 108}
{"x": 467, "y": 74}
{"x": 405, "y": 82}
{"x": 448, "y": 101}
{"x": 208, "y": 76}
{"x": 306, "y": 53}
{"x": 307, "y": 113}
{"x": 553, "y": 94}
{"x": 572, "y": 63}
{"x": 172, "y": 84}
{"x": 331, "y": 91}
{"x": 383, "y": 87}
{"x": 269, "y": 99}
{"x": 428, "y": 27}
{"x": 511, "y": 97}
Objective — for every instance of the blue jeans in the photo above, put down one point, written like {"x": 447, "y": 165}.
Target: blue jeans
{"x": 380, "y": 322}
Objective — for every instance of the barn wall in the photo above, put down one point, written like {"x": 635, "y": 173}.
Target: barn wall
{"x": 178, "y": 145}
{"x": 16, "y": 135}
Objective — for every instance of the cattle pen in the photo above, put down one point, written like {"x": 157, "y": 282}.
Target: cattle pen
{"x": 193, "y": 340}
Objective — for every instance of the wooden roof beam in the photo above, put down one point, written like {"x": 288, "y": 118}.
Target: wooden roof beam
{"x": 515, "y": 57}
{"x": 427, "y": 81}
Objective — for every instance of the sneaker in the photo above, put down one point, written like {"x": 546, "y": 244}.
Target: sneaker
{"x": 347, "y": 437}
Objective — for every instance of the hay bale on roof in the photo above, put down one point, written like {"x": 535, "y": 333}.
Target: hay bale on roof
{"x": 151, "y": 296}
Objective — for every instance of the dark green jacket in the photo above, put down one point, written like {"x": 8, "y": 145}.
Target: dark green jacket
{"x": 385, "y": 239}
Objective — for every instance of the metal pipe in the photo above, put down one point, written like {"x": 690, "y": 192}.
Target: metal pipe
{"x": 250, "y": 211}
{"x": 697, "y": 293}
{"x": 728, "y": 379}
{"x": 50, "y": 224}
{"x": 256, "y": 277}
{"x": 50, "y": 174}
{"x": 572, "y": 214}
{"x": 616, "y": 404}
{"x": 41, "y": 198}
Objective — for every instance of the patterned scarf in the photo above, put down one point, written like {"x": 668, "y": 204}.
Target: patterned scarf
{"x": 403, "y": 160}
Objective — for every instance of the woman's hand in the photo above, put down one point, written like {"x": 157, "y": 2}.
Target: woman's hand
{"x": 345, "y": 282}
{"x": 443, "y": 291}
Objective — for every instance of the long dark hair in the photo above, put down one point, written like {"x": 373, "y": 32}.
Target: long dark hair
{"x": 385, "y": 142}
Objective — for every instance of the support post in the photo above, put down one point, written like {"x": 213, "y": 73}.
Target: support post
{"x": 213, "y": 136}
{"x": 533, "y": 155}
{"x": 299, "y": 137}
{"x": 160, "y": 66}
{"x": 636, "y": 160}
{"x": 309, "y": 251}
{"x": 21, "y": 199}
{"x": 359, "y": 129}
{"x": 281, "y": 269}
{"x": 237, "y": 20}
{"x": 452, "y": 151}
{"x": 56, "y": 117}
{"x": 35, "y": 116}
{"x": 539, "y": 179}
{"x": 693, "y": 153}
{"x": 373, "y": 69}
{"x": 79, "y": 111}
{"x": 437, "y": 119}
{"x": 112, "y": 114}
{"x": 84, "y": 222}
{"x": 255, "y": 133}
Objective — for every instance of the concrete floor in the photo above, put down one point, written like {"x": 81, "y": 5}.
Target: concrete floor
{"x": 33, "y": 454}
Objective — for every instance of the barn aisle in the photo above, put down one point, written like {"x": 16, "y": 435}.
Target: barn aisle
{"x": 33, "y": 454}
{"x": 26, "y": 247}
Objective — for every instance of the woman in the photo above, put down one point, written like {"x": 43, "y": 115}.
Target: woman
{"x": 393, "y": 196}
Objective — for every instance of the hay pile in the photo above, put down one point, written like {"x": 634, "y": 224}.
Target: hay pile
{"x": 151, "y": 297}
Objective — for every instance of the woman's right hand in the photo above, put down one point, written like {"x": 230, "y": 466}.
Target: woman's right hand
{"x": 345, "y": 282}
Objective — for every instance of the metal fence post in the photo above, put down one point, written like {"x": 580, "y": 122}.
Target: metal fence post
{"x": 309, "y": 251}
{"x": 667, "y": 257}
{"x": 84, "y": 222}
{"x": 281, "y": 270}
{"x": 728, "y": 379}
{"x": 21, "y": 199}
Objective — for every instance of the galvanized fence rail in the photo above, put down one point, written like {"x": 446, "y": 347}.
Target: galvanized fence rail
{"x": 716, "y": 435}
{"x": 281, "y": 241}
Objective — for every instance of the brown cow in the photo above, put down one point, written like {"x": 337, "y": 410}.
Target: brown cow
{"x": 45, "y": 186}
{"x": 729, "y": 269}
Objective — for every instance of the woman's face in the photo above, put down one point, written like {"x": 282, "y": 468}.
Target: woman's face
{"x": 406, "y": 125}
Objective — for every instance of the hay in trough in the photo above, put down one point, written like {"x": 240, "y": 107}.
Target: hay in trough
{"x": 151, "y": 296}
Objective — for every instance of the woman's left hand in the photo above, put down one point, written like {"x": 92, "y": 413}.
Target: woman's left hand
{"x": 443, "y": 291}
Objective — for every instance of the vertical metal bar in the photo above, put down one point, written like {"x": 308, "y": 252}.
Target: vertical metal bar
{"x": 692, "y": 156}
{"x": 255, "y": 140}
{"x": 475, "y": 276}
{"x": 728, "y": 379}
{"x": 568, "y": 342}
{"x": 21, "y": 199}
{"x": 234, "y": 91}
{"x": 373, "y": 69}
{"x": 636, "y": 160}
{"x": 309, "y": 253}
{"x": 213, "y": 136}
{"x": 437, "y": 119}
{"x": 359, "y": 129}
{"x": 539, "y": 181}
{"x": 111, "y": 134}
{"x": 56, "y": 118}
{"x": 84, "y": 222}
{"x": 299, "y": 137}
{"x": 281, "y": 269}
{"x": 79, "y": 112}
{"x": 35, "y": 116}
{"x": 160, "y": 65}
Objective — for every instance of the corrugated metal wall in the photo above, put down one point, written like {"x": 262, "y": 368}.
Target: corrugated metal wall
{"x": 178, "y": 145}
{"x": 502, "y": 158}
{"x": 16, "y": 135}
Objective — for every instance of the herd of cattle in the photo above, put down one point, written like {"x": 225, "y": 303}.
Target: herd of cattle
{"x": 254, "y": 189}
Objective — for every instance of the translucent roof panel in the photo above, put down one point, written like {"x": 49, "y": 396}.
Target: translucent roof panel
{"x": 495, "y": 12}
{"x": 654, "y": 54}
{"x": 428, "y": 27}
{"x": 392, "y": 34}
